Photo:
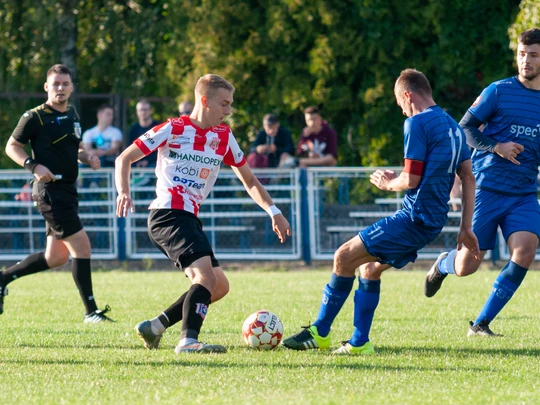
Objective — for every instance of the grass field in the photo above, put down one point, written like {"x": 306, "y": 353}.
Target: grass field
{"x": 48, "y": 356}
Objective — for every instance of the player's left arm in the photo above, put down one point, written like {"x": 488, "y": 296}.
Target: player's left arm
{"x": 408, "y": 179}
{"x": 258, "y": 193}
{"x": 468, "y": 184}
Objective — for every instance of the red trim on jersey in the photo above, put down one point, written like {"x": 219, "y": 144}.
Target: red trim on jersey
{"x": 177, "y": 200}
{"x": 140, "y": 144}
{"x": 159, "y": 126}
{"x": 177, "y": 126}
{"x": 174, "y": 146}
{"x": 198, "y": 130}
{"x": 195, "y": 207}
{"x": 415, "y": 167}
{"x": 223, "y": 142}
{"x": 162, "y": 144}
{"x": 199, "y": 140}
{"x": 228, "y": 159}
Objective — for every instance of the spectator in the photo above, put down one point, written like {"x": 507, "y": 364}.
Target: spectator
{"x": 146, "y": 122}
{"x": 273, "y": 144}
{"x": 103, "y": 140}
{"x": 318, "y": 143}
{"x": 185, "y": 107}
{"x": 25, "y": 195}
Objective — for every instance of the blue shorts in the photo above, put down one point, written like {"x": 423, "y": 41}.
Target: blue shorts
{"x": 511, "y": 213}
{"x": 396, "y": 240}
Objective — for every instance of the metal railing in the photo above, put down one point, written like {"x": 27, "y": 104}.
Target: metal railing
{"x": 325, "y": 206}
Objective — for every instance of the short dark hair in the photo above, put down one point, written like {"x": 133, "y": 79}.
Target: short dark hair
{"x": 529, "y": 37}
{"x": 312, "y": 110}
{"x": 414, "y": 81}
{"x": 59, "y": 69}
{"x": 104, "y": 107}
{"x": 270, "y": 119}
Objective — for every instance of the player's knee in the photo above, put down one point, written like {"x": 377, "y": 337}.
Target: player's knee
{"x": 343, "y": 255}
{"x": 523, "y": 257}
{"x": 343, "y": 266}
{"x": 56, "y": 260}
{"x": 221, "y": 290}
{"x": 369, "y": 271}
{"x": 206, "y": 279}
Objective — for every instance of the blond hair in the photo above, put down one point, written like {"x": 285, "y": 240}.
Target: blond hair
{"x": 210, "y": 83}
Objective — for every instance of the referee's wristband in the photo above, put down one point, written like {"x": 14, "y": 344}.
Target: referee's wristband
{"x": 30, "y": 165}
{"x": 273, "y": 211}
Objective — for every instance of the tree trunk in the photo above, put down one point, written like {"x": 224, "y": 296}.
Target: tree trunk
{"x": 67, "y": 37}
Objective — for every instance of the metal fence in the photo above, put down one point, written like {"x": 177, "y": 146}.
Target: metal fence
{"x": 236, "y": 227}
{"x": 342, "y": 201}
{"x": 325, "y": 206}
{"x": 22, "y": 227}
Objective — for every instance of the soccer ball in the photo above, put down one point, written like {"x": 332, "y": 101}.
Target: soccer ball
{"x": 262, "y": 330}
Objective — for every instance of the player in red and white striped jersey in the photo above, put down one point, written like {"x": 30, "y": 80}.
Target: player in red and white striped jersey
{"x": 190, "y": 152}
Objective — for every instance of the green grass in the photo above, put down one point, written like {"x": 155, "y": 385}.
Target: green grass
{"x": 48, "y": 356}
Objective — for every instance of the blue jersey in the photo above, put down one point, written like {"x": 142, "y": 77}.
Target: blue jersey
{"x": 436, "y": 139}
{"x": 511, "y": 113}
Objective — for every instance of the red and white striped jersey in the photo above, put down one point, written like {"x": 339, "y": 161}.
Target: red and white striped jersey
{"x": 188, "y": 161}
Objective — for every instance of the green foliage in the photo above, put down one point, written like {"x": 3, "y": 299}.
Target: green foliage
{"x": 528, "y": 17}
{"x": 282, "y": 56}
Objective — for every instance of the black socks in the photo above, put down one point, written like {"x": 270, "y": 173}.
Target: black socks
{"x": 32, "y": 264}
{"x": 174, "y": 312}
{"x": 194, "y": 311}
{"x": 80, "y": 269}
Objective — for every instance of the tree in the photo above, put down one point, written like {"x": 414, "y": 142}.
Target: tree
{"x": 342, "y": 55}
{"x": 528, "y": 17}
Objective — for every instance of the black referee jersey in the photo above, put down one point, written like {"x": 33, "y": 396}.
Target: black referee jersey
{"x": 54, "y": 137}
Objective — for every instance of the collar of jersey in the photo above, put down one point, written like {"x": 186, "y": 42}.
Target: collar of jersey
{"x": 198, "y": 130}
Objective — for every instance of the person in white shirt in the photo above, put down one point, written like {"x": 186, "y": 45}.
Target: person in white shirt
{"x": 104, "y": 140}
{"x": 190, "y": 151}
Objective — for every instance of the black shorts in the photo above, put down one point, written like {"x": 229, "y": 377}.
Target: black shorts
{"x": 179, "y": 235}
{"x": 58, "y": 203}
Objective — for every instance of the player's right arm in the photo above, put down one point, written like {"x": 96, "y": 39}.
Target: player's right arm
{"x": 142, "y": 146}
{"x": 466, "y": 235}
{"x": 122, "y": 169}
{"x": 479, "y": 113}
{"x": 26, "y": 129}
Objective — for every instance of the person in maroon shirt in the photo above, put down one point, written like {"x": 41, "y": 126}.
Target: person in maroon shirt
{"x": 318, "y": 144}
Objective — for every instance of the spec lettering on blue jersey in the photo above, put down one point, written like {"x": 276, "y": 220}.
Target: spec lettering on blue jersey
{"x": 525, "y": 130}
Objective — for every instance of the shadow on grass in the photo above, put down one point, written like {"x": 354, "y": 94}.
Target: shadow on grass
{"x": 211, "y": 361}
{"x": 470, "y": 351}
{"x": 380, "y": 350}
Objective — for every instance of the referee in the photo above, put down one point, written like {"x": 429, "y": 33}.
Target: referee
{"x": 54, "y": 133}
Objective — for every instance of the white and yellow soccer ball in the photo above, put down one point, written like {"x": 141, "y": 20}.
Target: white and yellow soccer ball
{"x": 262, "y": 330}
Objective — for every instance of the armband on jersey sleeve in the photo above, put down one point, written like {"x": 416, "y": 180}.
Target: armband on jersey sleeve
{"x": 415, "y": 167}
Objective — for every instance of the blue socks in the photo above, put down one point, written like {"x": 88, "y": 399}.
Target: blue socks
{"x": 446, "y": 265}
{"x": 335, "y": 294}
{"x": 503, "y": 289}
{"x": 366, "y": 299}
